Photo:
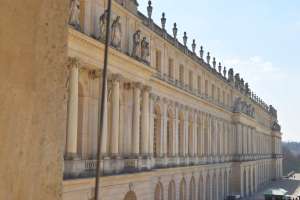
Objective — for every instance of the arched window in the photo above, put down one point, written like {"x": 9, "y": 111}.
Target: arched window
{"x": 192, "y": 195}
{"x": 130, "y": 196}
{"x": 171, "y": 191}
{"x": 182, "y": 194}
{"x": 159, "y": 192}
{"x": 157, "y": 131}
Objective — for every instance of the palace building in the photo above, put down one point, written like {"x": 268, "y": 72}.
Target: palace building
{"x": 177, "y": 124}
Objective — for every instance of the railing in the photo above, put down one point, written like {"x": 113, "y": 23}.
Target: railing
{"x": 86, "y": 168}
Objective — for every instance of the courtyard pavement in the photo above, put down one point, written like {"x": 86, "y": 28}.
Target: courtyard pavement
{"x": 291, "y": 185}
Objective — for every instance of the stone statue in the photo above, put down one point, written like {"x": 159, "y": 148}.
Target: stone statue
{"x": 74, "y": 14}
{"x": 247, "y": 89}
{"x": 237, "y": 80}
{"x": 136, "y": 44}
{"x": 273, "y": 111}
{"x": 275, "y": 126}
{"x": 116, "y": 33}
{"x": 237, "y": 107}
{"x": 242, "y": 85}
{"x": 224, "y": 72}
{"x": 230, "y": 75}
{"x": 102, "y": 26}
{"x": 145, "y": 51}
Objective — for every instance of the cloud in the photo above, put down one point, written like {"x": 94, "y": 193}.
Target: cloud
{"x": 256, "y": 70}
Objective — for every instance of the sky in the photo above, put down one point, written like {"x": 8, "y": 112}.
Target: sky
{"x": 260, "y": 39}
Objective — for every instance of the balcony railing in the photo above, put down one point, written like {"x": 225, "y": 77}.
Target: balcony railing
{"x": 86, "y": 168}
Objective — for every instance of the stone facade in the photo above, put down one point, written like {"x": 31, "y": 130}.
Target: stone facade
{"x": 175, "y": 127}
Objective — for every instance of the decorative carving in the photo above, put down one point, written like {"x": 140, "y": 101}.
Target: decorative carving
{"x": 275, "y": 126}
{"x": 175, "y": 30}
{"x": 214, "y": 63}
{"x": 136, "y": 44}
{"x": 149, "y": 10}
{"x": 163, "y": 21}
{"x": 208, "y": 58}
{"x": 201, "y": 52}
{"x": 194, "y": 46}
{"x": 184, "y": 39}
{"x": 74, "y": 14}
{"x": 243, "y": 107}
{"x": 145, "y": 50}
{"x": 102, "y": 26}
{"x": 116, "y": 33}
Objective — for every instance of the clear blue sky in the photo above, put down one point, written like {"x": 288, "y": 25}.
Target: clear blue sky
{"x": 258, "y": 38}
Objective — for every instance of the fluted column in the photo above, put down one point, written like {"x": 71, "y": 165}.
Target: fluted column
{"x": 72, "y": 110}
{"x": 145, "y": 120}
{"x": 115, "y": 114}
{"x": 175, "y": 130}
{"x": 151, "y": 123}
{"x": 136, "y": 118}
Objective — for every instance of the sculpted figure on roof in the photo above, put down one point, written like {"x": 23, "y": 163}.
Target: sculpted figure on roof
{"x": 136, "y": 44}
{"x": 145, "y": 51}
{"x": 74, "y": 14}
{"x": 102, "y": 26}
{"x": 116, "y": 33}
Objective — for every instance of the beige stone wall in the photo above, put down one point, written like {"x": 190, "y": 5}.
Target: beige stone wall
{"x": 33, "y": 37}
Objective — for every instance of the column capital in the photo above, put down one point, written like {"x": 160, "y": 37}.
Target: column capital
{"x": 116, "y": 77}
{"x": 147, "y": 88}
{"x": 73, "y": 62}
{"x": 137, "y": 85}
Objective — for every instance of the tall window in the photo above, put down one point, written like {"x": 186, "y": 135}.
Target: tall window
{"x": 191, "y": 79}
{"x": 213, "y": 91}
{"x": 171, "y": 68}
{"x": 199, "y": 84}
{"x": 206, "y": 87}
{"x": 181, "y": 74}
{"x": 158, "y": 60}
{"x": 219, "y": 95}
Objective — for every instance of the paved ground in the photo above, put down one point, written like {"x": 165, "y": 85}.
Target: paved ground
{"x": 292, "y": 185}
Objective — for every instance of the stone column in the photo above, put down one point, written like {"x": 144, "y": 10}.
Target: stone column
{"x": 115, "y": 114}
{"x": 136, "y": 118}
{"x": 186, "y": 132}
{"x": 151, "y": 123}
{"x": 195, "y": 138}
{"x": 175, "y": 130}
{"x": 164, "y": 129}
{"x": 72, "y": 122}
{"x": 145, "y": 121}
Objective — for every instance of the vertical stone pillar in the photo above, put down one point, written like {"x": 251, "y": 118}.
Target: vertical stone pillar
{"x": 151, "y": 123}
{"x": 195, "y": 138}
{"x": 145, "y": 120}
{"x": 104, "y": 139}
{"x": 239, "y": 138}
{"x": 186, "y": 131}
{"x": 175, "y": 130}
{"x": 164, "y": 129}
{"x": 72, "y": 110}
{"x": 115, "y": 114}
{"x": 136, "y": 118}
{"x": 242, "y": 182}
{"x": 247, "y": 182}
